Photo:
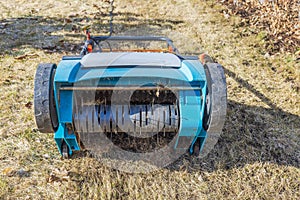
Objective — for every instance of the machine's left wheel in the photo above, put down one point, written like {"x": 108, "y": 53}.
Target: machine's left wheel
{"x": 44, "y": 102}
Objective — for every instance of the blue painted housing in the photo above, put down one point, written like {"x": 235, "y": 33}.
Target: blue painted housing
{"x": 187, "y": 72}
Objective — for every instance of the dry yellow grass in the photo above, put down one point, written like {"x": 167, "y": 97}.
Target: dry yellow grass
{"x": 257, "y": 156}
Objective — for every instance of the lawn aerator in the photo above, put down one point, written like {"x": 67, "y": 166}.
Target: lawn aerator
{"x": 141, "y": 92}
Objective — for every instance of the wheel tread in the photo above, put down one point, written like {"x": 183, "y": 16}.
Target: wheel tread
{"x": 45, "y": 119}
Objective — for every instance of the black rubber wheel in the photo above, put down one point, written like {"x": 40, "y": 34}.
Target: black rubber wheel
{"x": 216, "y": 99}
{"x": 44, "y": 103}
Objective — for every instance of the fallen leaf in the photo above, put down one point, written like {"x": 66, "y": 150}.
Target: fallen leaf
{"x": 28, "y": 105}
{"x": 7, "y": 171}
{"x": 52, "y": 178}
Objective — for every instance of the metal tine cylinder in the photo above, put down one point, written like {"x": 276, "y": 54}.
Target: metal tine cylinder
{"x": 122, "y": 118}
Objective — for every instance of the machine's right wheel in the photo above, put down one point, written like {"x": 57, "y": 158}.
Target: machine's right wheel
{"x": 44, "y": 102}
{"x": 216, "y": 99}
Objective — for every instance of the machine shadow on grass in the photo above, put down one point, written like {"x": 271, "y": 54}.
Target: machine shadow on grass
{"x": 251, "y": 134}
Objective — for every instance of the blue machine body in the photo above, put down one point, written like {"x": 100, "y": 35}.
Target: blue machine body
{"x": 186, "y": 75}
